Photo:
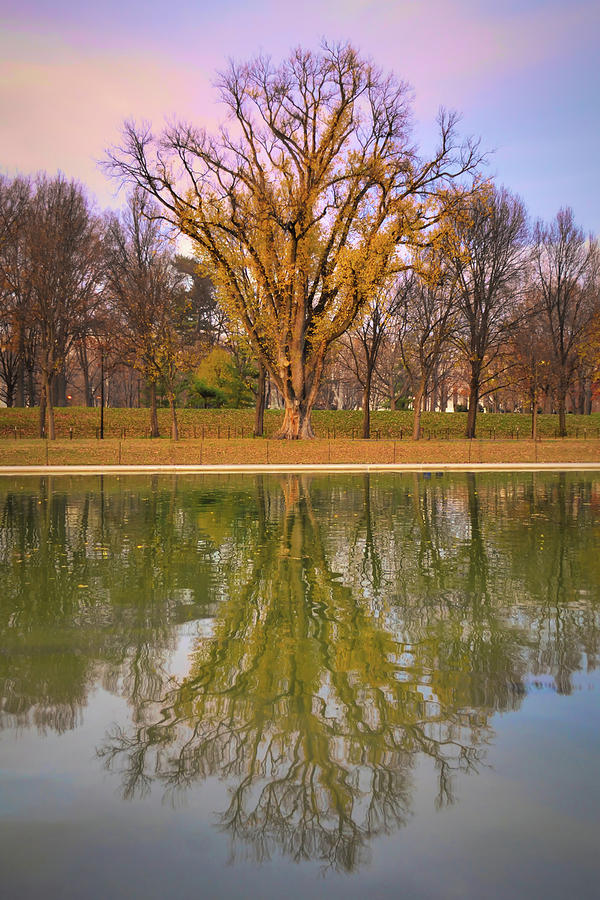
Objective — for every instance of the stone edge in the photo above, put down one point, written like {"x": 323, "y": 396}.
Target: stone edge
{"x": 299, "y": 468}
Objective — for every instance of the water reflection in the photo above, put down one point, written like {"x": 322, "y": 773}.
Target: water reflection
{"x": 349, "y": 629}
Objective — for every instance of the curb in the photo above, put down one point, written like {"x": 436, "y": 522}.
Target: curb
{"x": 299, "y": 468}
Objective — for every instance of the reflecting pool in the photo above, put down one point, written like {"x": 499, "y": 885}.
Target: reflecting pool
{"x": 300, "y": 686}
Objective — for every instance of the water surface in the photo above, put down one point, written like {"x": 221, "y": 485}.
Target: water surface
{"x": 339, "y": 686}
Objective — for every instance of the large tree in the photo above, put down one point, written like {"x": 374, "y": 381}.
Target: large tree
{"x": 299, "y": 210}
{"x": 363, "y": 343}
{"x": 17, "y": 333}
{"x": 428, "y": 318}
{"x": 63, "y": 274}
{"x": 157, "y": 323}
{"x": 489, "y": 253}
{"x": 566, "y": 266}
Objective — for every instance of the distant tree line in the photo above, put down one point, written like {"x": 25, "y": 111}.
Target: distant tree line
{"x": 331, "y": 265}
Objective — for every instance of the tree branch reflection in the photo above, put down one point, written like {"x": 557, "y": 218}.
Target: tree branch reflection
{"x": 309, "y": 708}
{"x": 348, "y": 631}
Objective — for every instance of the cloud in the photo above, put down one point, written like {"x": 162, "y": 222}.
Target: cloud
{"x": 68, "y": 77}
{"x": 60, "y": 108}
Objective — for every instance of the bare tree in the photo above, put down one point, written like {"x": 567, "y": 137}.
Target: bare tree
{"x": 16, "y": 331}
{"x": 364, "y": 342}
{"x": 428, "y": 325}
{"x": 529, "y": 348}
{"x": 489, "y": 254}
{"x": 298, "y": 214}
{"x": 64, "y": 275}
{"x": 148, "y": 300}
{"x": 566, "y": 266}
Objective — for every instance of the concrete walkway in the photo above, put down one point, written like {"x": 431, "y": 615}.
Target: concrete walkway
{"x": 300, "y": 469}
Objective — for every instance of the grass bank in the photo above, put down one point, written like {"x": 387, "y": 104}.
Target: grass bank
{"x": 127, "y": 424}
{"x": 238, "y": 451}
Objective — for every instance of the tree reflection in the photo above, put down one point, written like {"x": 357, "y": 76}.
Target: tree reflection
{"x": 347, "y": 631}
{"x": 90, "y": 589}
{"x": 312, "y": 711}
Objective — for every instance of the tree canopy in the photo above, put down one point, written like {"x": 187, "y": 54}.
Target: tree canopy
{"x": 300, "y": 208}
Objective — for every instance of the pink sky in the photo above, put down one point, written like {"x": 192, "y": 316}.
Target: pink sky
{"x": 524, "y": 76}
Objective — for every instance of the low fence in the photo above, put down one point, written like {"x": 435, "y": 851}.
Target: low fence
{"x": 218, "y": 432}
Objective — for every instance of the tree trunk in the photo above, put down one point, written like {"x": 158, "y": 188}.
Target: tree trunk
{"x": 299, "y": 396}
{"x": 534, "y": 407}
{"x": 20, "y": 388}
{"x": 87, "y": 387}
{"x": 581, "y": 397}
{"x": 154, "y": 432}
{"x": 473, "y": 399}
{"x": 366, "y": 405}
{"x": 588, "y": 397}
{"x": 172, "y": 407}
{"x": 296, "y": 421}
{"x": 443, "y": 396}
{"x": 31, "y": 389}
{"x": 562, "y": 414}
{"x": 562, "y": 404}
{"x": 85, "y": 369}
{"x": 59, "y": 389}
{"x": 42, "y": 416}
{"x": 49, "y": 407}
{"x": 417, "y": 413}
{"x": 9, "y": 390}
{"x": 261, "y": 396}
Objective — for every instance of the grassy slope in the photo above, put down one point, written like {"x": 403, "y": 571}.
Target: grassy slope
{"x": 235, "y": 423}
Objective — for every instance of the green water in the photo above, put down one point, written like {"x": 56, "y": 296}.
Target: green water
{"x": 300, "y": 686}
